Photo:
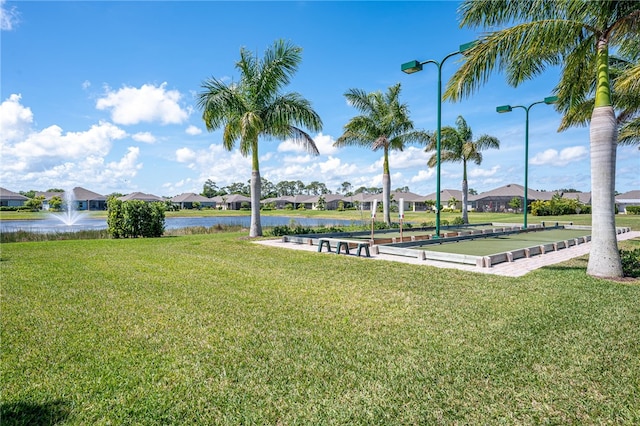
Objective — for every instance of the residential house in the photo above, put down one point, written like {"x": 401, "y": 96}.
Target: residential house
{"x": 631, "y": 198}
{"x": 498, "y": 199}
{"x": 412, "y": 202}
{"x": 187, "y": 200}
{"x": 88, "y": 200}
{"x": 47, "y": 196}
{"x": 231, "y": 201}
{"x": 331, "y": 201}
{"x": 11, "y": 199}
{"x": 141, "y": 196}
{"x": 447, "y": 195}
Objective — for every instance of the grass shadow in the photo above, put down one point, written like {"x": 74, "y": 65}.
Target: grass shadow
{"x": 34, "y": 414}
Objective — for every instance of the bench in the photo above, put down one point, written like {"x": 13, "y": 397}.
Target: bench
{"x": 340, "y": 243}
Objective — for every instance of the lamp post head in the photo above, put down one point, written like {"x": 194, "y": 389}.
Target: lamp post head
{"x": 550, "y": 100}
{"x": 504, "y": 108}
{"x": 411, "y": 67}
{"x": 467, "y": 46}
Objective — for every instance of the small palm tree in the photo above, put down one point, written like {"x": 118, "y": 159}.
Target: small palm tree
{"x": 384, "y": 124}
{"x": 255, "y": 108}
{"x": 457, "y": 145}
{"x": 576, "y": 35}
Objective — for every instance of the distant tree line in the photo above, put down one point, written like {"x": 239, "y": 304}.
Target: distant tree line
{"x": 287, "y": 188}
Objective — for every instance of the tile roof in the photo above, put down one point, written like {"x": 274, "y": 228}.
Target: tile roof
{"x": 5, "y": 194}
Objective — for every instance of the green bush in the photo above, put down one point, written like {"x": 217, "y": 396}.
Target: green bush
{"x": 134, "y": 218}
{"x": 558, "y": 206}
{"x": 633, "y": 209}
{"x": 279, "y": 231}
{"x": 15, "y": 209}
{"x": 457, "y": 221}
{"x": 630, "y": 262}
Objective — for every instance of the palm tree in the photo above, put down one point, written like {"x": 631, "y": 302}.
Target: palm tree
{"x": 384, "y": 124}
{"x": 255, "y": 108}
{"x": 629, "y": 84}
{"x": 625, "y": 86}
{"x": 576, "y": 35}
{"x": 457, "y": 145}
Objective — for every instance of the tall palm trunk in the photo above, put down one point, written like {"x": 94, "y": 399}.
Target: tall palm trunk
{"x": 465, "y": 193}
{"x": 386, "y": 194}
{"x": 255, "y": 229}
{"x": 386, "y": 189}
{"x": 604, "y": 258}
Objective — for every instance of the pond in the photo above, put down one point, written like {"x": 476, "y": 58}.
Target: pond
{"x": 82, "y": 224}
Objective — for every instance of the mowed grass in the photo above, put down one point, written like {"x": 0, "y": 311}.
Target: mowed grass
{"x": 214, "y": 329}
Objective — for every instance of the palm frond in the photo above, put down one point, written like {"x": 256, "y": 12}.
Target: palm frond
{"x": 217, "y": 101}
{"x": 629, "y": 133}
{"x": 629, "y": 81}
{"x": 277, "y": 67}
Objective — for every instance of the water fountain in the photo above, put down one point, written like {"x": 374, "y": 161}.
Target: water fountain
{"x": 70, "y": 215}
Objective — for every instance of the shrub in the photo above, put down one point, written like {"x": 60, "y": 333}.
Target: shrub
{"x": 630, "y": 262}
{"x": 134, "y": 218}
{"x": 633, "y": 209}
{"x": 558, "y": 206}
{"x": 457, "y": 221}
{"x": 278, "y": 231}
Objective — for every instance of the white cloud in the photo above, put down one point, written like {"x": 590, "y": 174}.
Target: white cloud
{"x": 149, "y": 103}
{"x": 216, "y": 163}
{"x": 9, "y": 17}
{"x": 324, "y": 143}
{"x": 410, "y": 157}
{"x": 92, "y": 172}
{"x": 423, "y": 175}
{"x": 86, "y": 84}
{"x": 145, "y": 137}
{"x": 183, "y": 185}
{"x": 185, "y": 155}
{"x": 52, "y": 157}
{"x": 193, "y": 130}
{"x": 476, "y": 173}
{"x": 334, "y": 167}
{"x": 53, "y": 143}
{"x": 299, "y": 159}
{"x": 554, "y": 158}
{"x": 15, "y": 119}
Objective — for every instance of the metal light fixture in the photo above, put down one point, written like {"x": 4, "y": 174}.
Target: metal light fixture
{"x": 413, "y": 67}
{"x": 508, "y": 108}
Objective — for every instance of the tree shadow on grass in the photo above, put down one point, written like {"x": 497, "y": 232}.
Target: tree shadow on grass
{"x": 29, "y": 413}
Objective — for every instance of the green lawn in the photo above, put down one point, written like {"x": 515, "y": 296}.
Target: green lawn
{"x": 213, "y": 329}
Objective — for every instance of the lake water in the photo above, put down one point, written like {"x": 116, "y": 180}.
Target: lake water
{"x": 54, "y": 225}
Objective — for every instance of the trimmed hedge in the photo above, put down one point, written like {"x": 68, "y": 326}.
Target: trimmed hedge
{"x": 633, "y": 209}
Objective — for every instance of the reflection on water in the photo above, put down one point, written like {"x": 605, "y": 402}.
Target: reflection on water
{"x": 84, "y": 224}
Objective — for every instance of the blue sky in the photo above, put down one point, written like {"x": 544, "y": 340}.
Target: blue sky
{"x": 102, "y": 95}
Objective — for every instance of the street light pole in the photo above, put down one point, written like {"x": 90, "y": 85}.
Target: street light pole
{"x": 508, "y": 108}
{"x": 415, "y": 66}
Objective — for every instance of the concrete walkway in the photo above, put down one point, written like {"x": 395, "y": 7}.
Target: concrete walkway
{"x": 516, "y": 268}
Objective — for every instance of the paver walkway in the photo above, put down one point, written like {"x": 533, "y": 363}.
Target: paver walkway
{"x": 516, "y": 268}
